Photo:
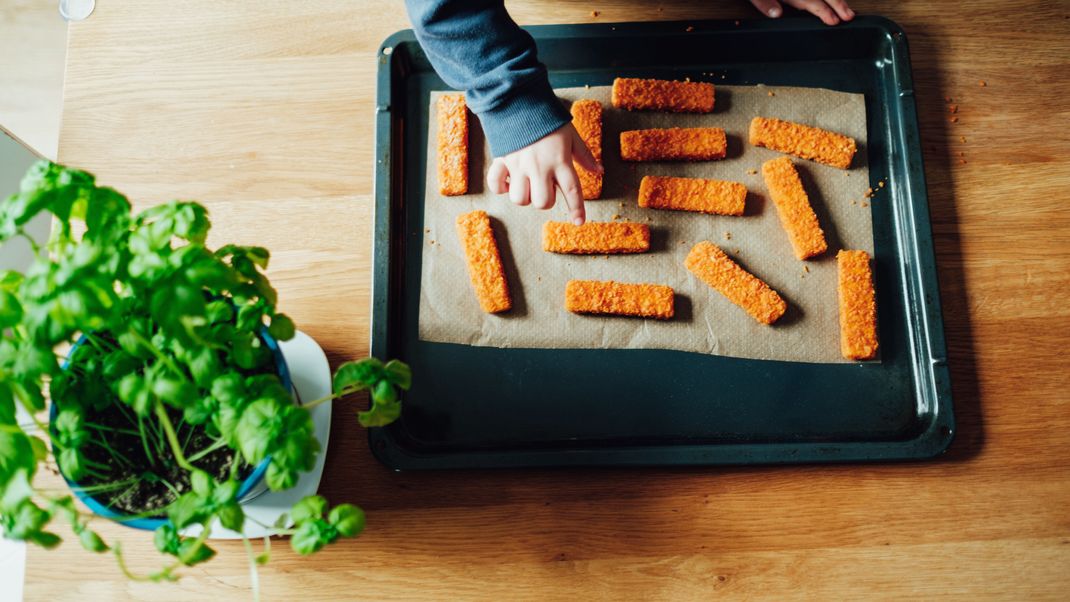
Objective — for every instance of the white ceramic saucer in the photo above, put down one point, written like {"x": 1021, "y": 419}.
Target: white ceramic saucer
{"x": 311, "y": 377}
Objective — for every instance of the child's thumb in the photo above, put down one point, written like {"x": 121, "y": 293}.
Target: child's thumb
{"x": 582, "y": 155}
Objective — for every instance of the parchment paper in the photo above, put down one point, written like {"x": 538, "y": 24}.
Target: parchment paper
{"x": 705, "y": 321}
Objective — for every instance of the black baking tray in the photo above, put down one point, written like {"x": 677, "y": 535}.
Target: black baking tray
{"x": 479, "y": 407}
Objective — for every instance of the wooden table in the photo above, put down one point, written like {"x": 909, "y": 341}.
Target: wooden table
{"x": 264, "y": 111}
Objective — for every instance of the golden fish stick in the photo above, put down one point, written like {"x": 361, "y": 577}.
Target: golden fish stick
{"x": 452, "y": 145}
{"x": 692, "y": 194}
{"x": 858, "y": 306}
{"x": 793, "y": 206}
{"x": 618, "y": 298}
{"x": 715, "y": 268}
{"x": 673, "y": 144}
{"x": 484, "y": 262}
{"x": 662, "y": 95}
{"x": 595, "y": 237}
{"x": 803, "y": 141}
{"x": 587, "y": 119}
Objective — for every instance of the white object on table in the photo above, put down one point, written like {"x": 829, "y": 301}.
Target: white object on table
{"x": 76, "y": 10}
{"x": 12, "y": 569}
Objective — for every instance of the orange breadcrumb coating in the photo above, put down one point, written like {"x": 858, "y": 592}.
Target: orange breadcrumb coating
{"x": 858, "y": 306}
{"x": 707, "y": 261}
{"x": 618, "y": 298}
{"x": 484, "y": 262}
{"x": 793, "y": 207}
{"x": 662, "y": 95}
{"x": 803, "y": 141}
{"x": 587, "y": 119}
{"x": 673, "y": 144}
{"x": 452, "y": 145}
{"x": 595, "y": 237}
{"x": 692, "y": 194}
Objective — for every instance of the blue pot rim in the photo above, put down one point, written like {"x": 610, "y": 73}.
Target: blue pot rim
{"x": 151, "y": 524}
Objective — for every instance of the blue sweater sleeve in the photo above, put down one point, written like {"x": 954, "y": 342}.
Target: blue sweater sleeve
{"x": 476, "y": 46}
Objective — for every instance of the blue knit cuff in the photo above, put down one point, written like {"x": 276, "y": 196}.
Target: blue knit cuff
{"x": 526, "y": 117}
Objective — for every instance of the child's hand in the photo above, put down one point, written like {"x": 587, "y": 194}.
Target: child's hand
{"x": 829, "y": 11}
{"x": 533, "y": 174}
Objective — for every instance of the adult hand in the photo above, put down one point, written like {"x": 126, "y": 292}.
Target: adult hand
{"x": 829, "y": 11}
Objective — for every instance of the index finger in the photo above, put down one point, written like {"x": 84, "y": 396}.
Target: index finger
{"x": 569, "y": 185}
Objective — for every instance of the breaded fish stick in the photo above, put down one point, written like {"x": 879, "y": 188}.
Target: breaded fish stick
{"x": 618, "y": 298}
{"x": 858, "y": 306}
{"x": 662, "y": 95}
{"x": 452, "y": 145}
{"x": 673, "y": 144}
{"x": 692, "y": 194}
{"x": 595, "y": 237}
{"x": 587, "y": 119}
{"x": 793, "y": 207}
{"x": 484, "y": 262}
{"x": 803, "y": 141}
{"x": 716, "y": 269}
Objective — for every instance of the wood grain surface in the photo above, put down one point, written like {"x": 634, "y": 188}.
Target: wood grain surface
{"x": 264, "y": 111}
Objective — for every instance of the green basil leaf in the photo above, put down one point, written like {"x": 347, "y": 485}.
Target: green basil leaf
{"x": 309, "y": 508}
{"x": 201, "y": 483}
{"x": 92, "y": 542}
{"x": 384, "y": 393}
{"x": 166, "y": 539}
{"x": 177, "y": 392}
{"x": 398, "y": 373}
{"x": 347, "y": 519}
{"x": 280, "y": 478}
{"x": 188, "y": 509}
{"x": 311, "y": 536}
{"x": 45, "y": 539}
{"x": 258, "y": 427}
{"x": 358, "y": 375}
{"x": 282, "y": 327}
{"x": 7, "y": 405}
{"x": 119, "y": 363}
{"x": 70, "y": 463}
{"x": 231, "y": 516}
{"x": 379, "y": 415}
{"x": 191, "y": 551}
{"x": 16, "y": 490}
{"x": 10, "y": 309}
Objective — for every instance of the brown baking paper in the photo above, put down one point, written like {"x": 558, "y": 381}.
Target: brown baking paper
{"x": 705, "y": 321}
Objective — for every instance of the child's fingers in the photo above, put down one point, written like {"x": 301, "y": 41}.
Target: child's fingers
{"x": 542, "y": 191}
{"x": 769, "y": 8}
{"x": 569, "y": 183}
{"x": 498, "y": 177}
{"x": 518, "y": 190}
{"x": 841, "y": 8}
{"x": 583, "y": 155}
{"x": 817, "y": 8}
